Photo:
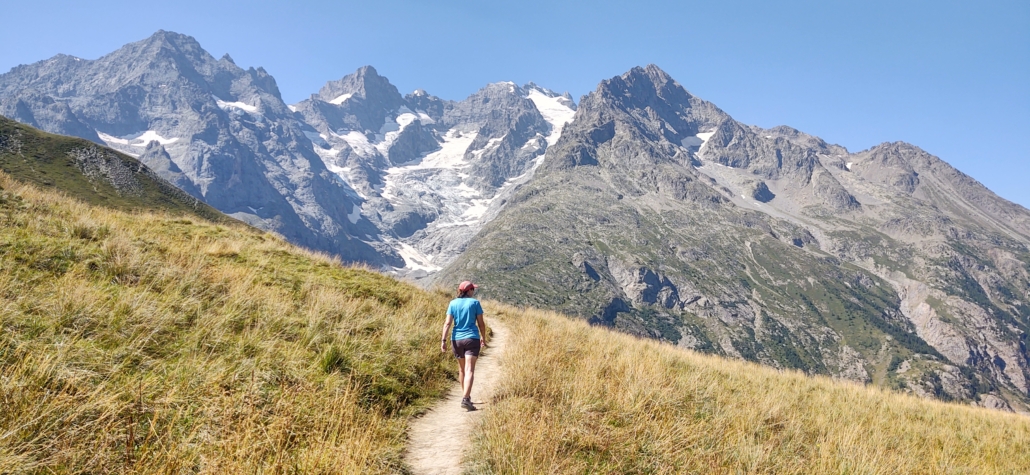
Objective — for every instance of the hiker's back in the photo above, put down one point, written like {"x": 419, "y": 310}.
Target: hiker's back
{"x": 465, "y": 310}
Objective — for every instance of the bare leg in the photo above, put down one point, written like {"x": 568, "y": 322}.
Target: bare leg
{"x": 468, "y": 375}
{"x": 461, "y": 372}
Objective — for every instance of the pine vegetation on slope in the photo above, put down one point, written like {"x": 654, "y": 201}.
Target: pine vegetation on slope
{"x": 577, "y": 399}
{"x": 152, "y": 343}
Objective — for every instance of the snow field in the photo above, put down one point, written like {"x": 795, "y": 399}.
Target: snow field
{"x": 236, "y": 105}
{"x": 140, "y": 139}
{"x": 554, "y": 112}
{"x": 341, "y": 98}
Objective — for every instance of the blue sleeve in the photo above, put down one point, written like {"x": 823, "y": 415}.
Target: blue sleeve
{"x": 479, "y": 309}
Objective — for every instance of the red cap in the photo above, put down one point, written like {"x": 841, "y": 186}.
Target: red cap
{"x": 466, "y": 286}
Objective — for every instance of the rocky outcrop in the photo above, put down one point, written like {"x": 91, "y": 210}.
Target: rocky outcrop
{"x": 664, "y": 217}
{"x": 97, "y": 164}
{"x": 644, "y": 286}
{"x": 224, "y": 135}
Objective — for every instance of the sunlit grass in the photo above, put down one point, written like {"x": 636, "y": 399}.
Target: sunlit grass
{"x": 577, "y": 399}
{"x": 150, "y": 343}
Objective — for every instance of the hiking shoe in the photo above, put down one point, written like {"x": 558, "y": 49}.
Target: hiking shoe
{"x": 467, "y": 404}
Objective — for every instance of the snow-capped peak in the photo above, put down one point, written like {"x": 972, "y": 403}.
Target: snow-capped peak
{"x": 555, "y": 111}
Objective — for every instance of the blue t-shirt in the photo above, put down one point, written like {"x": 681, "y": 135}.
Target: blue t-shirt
{"x": 464, "y": 310}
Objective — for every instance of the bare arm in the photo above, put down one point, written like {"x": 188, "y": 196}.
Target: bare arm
{"x": 482, "y": 329}
{"x": 446, "y": 328}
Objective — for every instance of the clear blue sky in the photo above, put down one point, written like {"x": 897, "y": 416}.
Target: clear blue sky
{"x": 952, "y": 77}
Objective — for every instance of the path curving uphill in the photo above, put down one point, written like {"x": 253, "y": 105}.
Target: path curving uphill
{"x": 438, "y": 439}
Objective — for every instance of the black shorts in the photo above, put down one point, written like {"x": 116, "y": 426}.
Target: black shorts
{"x": 465, "y": 347}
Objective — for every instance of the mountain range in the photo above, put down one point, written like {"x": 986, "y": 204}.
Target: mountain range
{"x": 642, "y": 207}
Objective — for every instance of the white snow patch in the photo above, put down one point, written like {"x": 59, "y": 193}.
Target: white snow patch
{"x": 698, "y": 140}
{"x": 110, "y": 139}
{"x": 489, "y": 147}
{"x": 137, "y": 140}
{"x": 328, "y": 157}
{"x": 416, "y": 260}
{"x": 450, "y": 156}
{"x": 390, "y": 130}
{"x": 466, "y": 191}
{"x": 451, "y": 153}
{"x": 355, "y": 214}
{"x": 692, "y": 141}
{"x": 424, "y": 118}
{"x": 358, "y": 142}
{"x": 848, "y": 166}
{"x": 292, "y": 108}
{"x": 554, "y": 112}
{"x": 531, "y": 144}
{"x": 238, "y": 105}
{"x": 149, "y": 136}
{"x": 477, "y": 210}
{"x": 316, "y": 138}
{"x": 341, "y": 98}
{"x": 704, "y": 136}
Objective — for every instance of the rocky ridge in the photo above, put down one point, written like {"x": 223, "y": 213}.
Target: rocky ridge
{"x": 213, "y": 129}
{"x": 660, "y": 214}
{"x": 430, "y": 172}
{"x": 666, "y": 218}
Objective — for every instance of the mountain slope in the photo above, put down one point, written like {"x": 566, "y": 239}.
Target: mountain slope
{"x": 430, "y": 172}
{"x": 662, "y": 216}
{"x": 215, "y": 130}
{"x": 158, "y": 344}
{"x": 148, "y": 343}
{"x": 578, "y": 399}
{"x": 356, "y": 170}
{"x": 92, "y": 174}
{"x": 643, "y": 208}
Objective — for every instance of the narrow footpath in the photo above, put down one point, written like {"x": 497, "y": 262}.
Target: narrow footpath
{"x": 437, "y": 439}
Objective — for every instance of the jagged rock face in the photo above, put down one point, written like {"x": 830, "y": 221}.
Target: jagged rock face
{"x": 430, "y": 172}
{"x": 220, "y": 132}
{"x": 91, "y": 173}
{"x": 795, "y": 167}
{"x": 644, "y": 208}
{"x": 510, "y": 133}
{"x": 664, "y": 217}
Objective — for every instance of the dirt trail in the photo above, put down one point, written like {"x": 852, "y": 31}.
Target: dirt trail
{"x": 438, "y": 439}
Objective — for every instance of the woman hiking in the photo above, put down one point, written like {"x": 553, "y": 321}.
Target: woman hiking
{"x": 466, "y": 315}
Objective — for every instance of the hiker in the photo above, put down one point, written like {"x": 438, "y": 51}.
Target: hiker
{"x": 466, "y": 315}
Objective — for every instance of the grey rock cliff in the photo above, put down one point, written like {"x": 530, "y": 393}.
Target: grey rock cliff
{"x": 430, "y": 172}
{"x": 664, "y": 217}
{"x": 643, "y": 208}
{"x": 227, "y": 137}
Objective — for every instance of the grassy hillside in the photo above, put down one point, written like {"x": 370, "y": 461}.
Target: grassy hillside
{"x": 158, "y": 343}
{"x": 48, "y": 161}
{"x": 580, "y": 399}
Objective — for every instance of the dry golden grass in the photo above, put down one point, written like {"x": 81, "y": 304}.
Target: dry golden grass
{"x": 577, "y": 399}
{"x": 159, "y": 344}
